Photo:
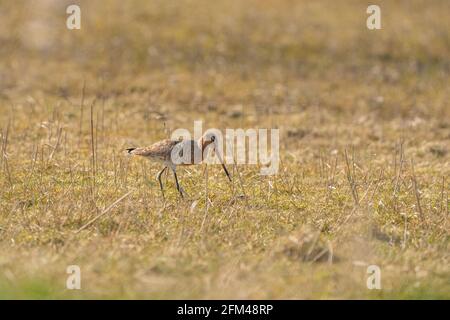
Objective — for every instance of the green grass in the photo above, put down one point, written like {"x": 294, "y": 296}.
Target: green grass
{"x": 357, "y": 110}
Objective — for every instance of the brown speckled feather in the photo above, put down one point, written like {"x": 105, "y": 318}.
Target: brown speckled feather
{"x": 160, "y": 150}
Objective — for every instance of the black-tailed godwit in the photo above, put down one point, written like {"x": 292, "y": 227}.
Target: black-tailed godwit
{"x": 172, "y": 153}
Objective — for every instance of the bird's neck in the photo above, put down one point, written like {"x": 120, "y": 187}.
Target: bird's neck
{"x": 202, "y": 145}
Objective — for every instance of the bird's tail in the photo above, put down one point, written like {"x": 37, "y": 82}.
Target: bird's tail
{"x": 130, "y": 150}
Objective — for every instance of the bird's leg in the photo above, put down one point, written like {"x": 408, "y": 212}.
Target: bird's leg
{"x": 178, "y": 185}
{"x": 160, "y": 182}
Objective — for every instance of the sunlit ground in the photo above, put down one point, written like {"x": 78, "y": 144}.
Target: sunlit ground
{"x": 364, "y": 149}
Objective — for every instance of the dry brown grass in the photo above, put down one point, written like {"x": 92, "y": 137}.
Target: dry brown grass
{"x": 365, "y": 146}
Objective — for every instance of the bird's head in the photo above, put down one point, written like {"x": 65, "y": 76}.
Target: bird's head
{"x": 207, "y": 139}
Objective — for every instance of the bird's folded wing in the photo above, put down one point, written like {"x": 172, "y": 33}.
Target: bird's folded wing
{"x": 161, "y": 149}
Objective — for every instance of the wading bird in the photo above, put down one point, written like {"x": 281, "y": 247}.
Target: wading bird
{"x": 179, "y": 152}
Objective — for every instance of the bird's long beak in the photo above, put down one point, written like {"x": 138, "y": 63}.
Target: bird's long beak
{"x": 226, "y": 171}
{"x": 223, "y": 164}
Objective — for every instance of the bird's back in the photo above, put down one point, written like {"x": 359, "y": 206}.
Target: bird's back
{"x": 160, "y": 150}
{"x": 186, "y": 152}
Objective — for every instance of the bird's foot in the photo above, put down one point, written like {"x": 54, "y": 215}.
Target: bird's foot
{"x": 183, "y": 193}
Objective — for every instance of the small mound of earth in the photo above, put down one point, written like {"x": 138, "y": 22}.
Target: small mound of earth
{"x": 307, "y": 245}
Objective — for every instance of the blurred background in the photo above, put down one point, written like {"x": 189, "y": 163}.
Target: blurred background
{"x": 288, "y": 54}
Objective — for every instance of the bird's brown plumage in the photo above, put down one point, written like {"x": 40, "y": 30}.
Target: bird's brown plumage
{"x": 160, "y": 150}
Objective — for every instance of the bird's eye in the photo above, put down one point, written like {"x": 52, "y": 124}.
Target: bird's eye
{"x": 213, "y": 138}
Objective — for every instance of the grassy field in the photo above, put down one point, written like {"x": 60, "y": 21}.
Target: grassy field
{"x": 364, "y": 123}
